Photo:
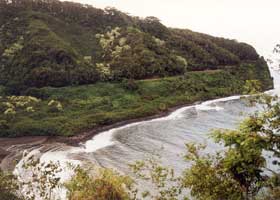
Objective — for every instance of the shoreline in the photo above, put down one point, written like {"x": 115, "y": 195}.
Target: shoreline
{"x": 11, "y": 147}
{"x": 8, "y": 146}
{"x": 87, "y": 135}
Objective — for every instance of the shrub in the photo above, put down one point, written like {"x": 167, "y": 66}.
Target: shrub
{"x": 3, "y": 124}
{"x": 105, "y": 184}
{"x": 55, "y": 106}
{"x": 162, "y": 107}
{"x": 37, "y": 92}
{"x": 130, "y": 84}
{"x": 2, "y": 91}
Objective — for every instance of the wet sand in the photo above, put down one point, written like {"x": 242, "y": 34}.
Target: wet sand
{"x": 12, "y": 148}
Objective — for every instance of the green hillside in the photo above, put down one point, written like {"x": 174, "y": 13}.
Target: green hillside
{"x": 89, "y": 67}
{"x": 52, "y": 43}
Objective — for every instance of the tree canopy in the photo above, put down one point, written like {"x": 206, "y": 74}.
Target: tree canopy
{"x": 53, "y": 43}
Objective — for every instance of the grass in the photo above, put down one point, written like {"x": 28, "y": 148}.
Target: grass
{"x": 90, "y": 106}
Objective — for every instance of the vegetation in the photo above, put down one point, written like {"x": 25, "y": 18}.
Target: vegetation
{"x": 67, "y": 67}
{"x": 53, "y": 43}
{"x": 105, "y": 184}
{"x": 71, "y": 110}
{"x": 8, "y": 187}
{"x": 162, "y": 183}
{"x": 239, "y": 172}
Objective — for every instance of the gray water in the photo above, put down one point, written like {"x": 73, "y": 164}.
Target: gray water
{"x": 165, "y": 137}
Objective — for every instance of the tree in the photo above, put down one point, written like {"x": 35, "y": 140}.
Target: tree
{"x": 241, "y": 167}
{"x": 237, "y": 173}
{"x": 208, "y": 178}
{"x": 162, "y": 182}
{"x": 105, "y": 184}
{"x": 252, "y": 87}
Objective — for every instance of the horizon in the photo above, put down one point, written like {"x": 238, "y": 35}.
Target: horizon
{"x": 255, "y": 24}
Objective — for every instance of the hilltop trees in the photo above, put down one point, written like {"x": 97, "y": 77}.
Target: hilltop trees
{"x": 53, "y": 43}
{"x": 133, "y": 54}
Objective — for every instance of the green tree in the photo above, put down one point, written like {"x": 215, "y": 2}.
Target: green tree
{"x": 252, "y": 87}
{"x": 103, "y": 184}
{"x": 240, "y": 167}
{"x": 208, "y": 178}
{"x": 162, "y": 182}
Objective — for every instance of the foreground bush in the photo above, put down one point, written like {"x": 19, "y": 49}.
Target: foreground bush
{"x": 104, "y": 184}
{"x": 236, "y": 173}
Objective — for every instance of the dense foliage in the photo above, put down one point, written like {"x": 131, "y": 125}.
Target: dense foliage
{"x": 105, "y": 184}
{"x": 71, "y": 110}
{"x": 53, "y": 43}
{"x": 46, "y": 44}
{"x": 240, "y": 172}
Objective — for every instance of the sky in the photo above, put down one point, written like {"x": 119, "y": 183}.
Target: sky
{"x": 256, "y": 22}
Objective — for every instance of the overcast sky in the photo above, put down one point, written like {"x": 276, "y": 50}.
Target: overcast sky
{"x": 253, "y": 21}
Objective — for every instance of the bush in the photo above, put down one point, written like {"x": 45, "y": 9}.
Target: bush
{"x": 162, "y": 107}
{"x": 130, "y": 84}
{"x": 4, "y": 124}
{"x": 105, "y": 184}
{"x": 2, "y": 90}
{"x": 37, "y": 92}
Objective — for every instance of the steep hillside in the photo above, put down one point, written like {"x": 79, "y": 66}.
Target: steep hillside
{"x": 66, "y": 68}
{"x": 53, "y": 43}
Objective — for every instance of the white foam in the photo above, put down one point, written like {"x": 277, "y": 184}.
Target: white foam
{"x": 99, "y": 141}
{"x": 19, "y": 169}
{"x": 62, "y": 157}
{"x": 105, "y": 139}
{"x": 174, "y": 115}
{"x": 210, "y": 105}
{"x": 24, "y": 174}
{"x": 207, "y": 107}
